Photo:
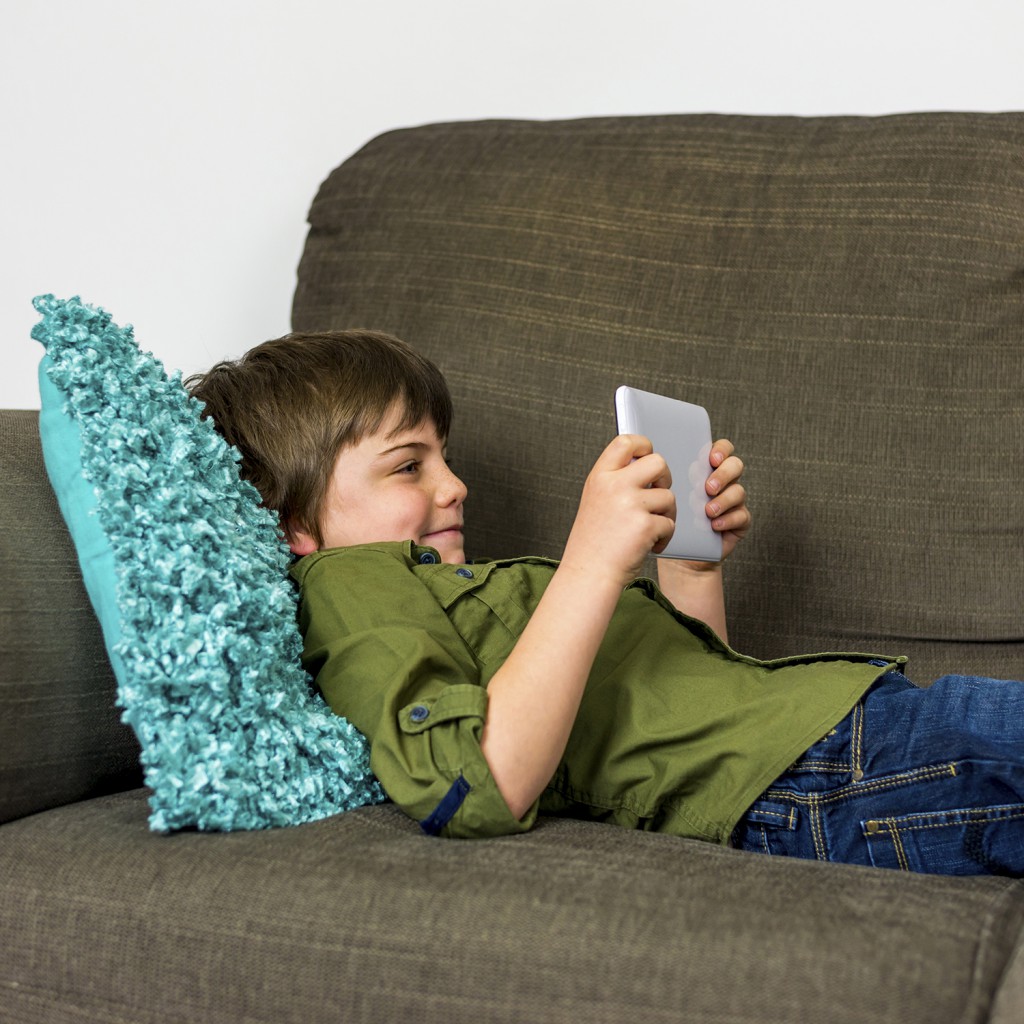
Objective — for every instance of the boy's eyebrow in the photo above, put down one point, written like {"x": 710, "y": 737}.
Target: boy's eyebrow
{"x": 399, "y": 447}
{"x": 420, "y": 445}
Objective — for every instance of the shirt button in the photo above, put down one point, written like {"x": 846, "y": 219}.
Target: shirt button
{"x": 428, "y": 558}
{"x": 466, "y": 574}
{"x": 419, "y": 713}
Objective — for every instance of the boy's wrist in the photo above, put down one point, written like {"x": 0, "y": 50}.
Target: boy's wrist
{"x": 696, "y": 589}
{"x": 593, "y": 578}
{"x": 683, "y": 568}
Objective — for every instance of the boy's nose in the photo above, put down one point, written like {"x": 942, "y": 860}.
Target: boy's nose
{"x": 452, "y": 491}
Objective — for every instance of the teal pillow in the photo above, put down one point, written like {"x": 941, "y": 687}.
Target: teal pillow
{"x": 188, "y": 575}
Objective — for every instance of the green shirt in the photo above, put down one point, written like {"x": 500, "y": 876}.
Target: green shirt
{"x": 676, "y": 732}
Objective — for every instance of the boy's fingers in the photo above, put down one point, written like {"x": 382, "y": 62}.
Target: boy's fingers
{"x": 734, "y": 496}
{"x": 636, "y": 452}
{"x": 622, "y": 449}
{"x": 721, "y": 450}
{"x": 653, "y": 471}
{"x": 727, "y": 473}
{"x": 737, "y": 520}
{"x": 660, "y": 501}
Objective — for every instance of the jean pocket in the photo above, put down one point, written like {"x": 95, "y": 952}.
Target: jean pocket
{"x": 767, "y": 827}
{"x": 975, "y": 841}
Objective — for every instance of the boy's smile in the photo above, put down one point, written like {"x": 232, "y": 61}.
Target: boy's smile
{"x": 394, "y": 484}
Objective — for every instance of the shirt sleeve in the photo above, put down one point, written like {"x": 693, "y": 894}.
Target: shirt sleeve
{"x": 386, "y": 657}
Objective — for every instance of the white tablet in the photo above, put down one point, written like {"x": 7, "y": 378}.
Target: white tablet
{"x": 681, "y": 434}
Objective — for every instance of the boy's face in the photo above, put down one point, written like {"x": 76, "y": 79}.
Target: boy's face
{"x": 392, "y": 485}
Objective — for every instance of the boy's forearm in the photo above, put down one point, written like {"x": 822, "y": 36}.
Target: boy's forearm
{"x": 697, "y": 592}
{"x": 626, "y": 511}
{"x": 534, "y": 697}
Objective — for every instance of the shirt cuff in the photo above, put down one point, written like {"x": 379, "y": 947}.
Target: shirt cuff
{"x": 450, "y": 789}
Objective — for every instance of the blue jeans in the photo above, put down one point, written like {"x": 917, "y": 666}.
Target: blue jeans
{"x": 916, "y": 779}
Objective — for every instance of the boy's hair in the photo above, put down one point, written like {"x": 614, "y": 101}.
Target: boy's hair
{"x": 291, "y": 404}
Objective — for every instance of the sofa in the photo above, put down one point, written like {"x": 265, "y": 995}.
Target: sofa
{"x": 846, "y": 297}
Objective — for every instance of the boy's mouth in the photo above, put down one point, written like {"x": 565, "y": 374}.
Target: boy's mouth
{"x": 453, "y": 530}
{"x": 445, "y": 536}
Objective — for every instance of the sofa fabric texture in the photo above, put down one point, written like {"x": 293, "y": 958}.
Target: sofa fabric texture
{"x": 61, "y": 737}
{"x": 362, "y": 917}
{"x": 846, "y": 297}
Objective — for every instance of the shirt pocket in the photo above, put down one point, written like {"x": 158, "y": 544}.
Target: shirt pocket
{"x": 451, "y": 722}
{"x": 491, "y": 618}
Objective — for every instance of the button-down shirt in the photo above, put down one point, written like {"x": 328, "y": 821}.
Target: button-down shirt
{"x": 675, "y": 731}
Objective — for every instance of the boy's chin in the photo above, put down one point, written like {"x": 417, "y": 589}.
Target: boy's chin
{"x": 448, "y": 545}
{"x": 452, "y": 556}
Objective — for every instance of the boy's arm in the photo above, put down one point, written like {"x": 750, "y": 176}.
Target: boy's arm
{"x": 386, "y": 656}
{"x": 697, "y": 592}
{"x": 695, "y": 588}
{"x": 534, "y": 697}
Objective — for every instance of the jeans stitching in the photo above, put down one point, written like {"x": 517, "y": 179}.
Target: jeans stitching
{"x": 863, "y": 788}
{"x": 787, "y": 817}
{"x": 974, "y": 822}
{"x": 839, "y": 767}
{"x": 857, "y": 738}
{"x": 819, "y": 841}
{"x": 897, "y": 842}
{"x": 973, "y": 817}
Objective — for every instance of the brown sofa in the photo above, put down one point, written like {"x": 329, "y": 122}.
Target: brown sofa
{"x": 846, "y": 297}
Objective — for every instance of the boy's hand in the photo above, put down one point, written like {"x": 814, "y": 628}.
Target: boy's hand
{"x": 696, "y": 587}
{"x": 727, "y": 504}
{"x": 626, "y": 511}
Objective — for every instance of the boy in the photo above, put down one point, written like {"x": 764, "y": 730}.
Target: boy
{"x": 492, "y": 692}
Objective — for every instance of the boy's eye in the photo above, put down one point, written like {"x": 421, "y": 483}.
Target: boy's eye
{"x": 409, "y": 467}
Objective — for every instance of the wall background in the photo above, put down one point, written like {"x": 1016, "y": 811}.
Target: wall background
{"x": 159, "y": 158}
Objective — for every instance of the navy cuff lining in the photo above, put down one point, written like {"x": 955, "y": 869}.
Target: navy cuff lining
{"x": 445, "y": 810}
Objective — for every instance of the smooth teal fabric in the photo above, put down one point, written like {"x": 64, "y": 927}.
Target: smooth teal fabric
{"x": 62, "y": 452}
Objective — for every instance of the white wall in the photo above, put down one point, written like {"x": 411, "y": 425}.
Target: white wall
{"x": 159, "y": 157}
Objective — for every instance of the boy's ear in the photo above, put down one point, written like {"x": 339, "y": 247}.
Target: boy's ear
{"x": 301, "y": 542}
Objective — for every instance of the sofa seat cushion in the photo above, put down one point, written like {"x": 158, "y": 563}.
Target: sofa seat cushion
{"x": 361, "y": 917}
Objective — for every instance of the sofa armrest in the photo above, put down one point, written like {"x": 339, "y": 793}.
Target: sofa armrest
{"x": 61, "y": 738}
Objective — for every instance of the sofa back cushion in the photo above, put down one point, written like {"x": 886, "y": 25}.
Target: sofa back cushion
{"x": 845, "y": 296}
{"x": 61, "y": 737}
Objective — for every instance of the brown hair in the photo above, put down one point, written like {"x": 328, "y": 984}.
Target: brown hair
{"x": 290, "y": 405}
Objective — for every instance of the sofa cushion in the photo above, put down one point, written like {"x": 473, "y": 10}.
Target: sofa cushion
{"x": 363, "y": 918}
{"x": 844, "y": 295}
{"x": 188, "y": 574}
{"x": 61, "y": 738}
